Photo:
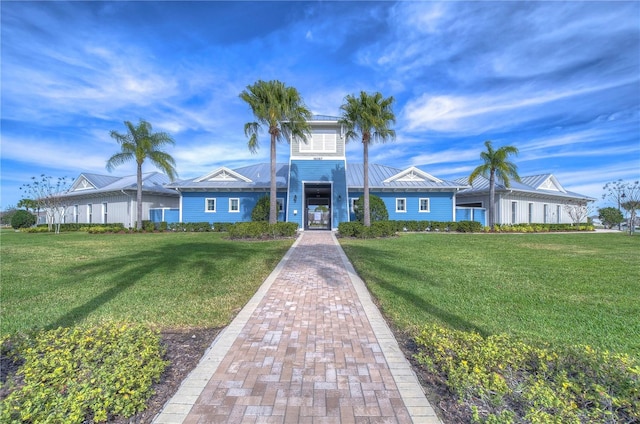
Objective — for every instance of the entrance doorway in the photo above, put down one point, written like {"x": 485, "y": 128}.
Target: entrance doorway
{"x": 317, "y": 206}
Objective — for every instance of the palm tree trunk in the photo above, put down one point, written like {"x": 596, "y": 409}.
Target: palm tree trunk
{"x": 139, "y": 197}
{"x": 273, "y": 217}
{"x": 367, "y": 212}
{"x": 492, "y": 200}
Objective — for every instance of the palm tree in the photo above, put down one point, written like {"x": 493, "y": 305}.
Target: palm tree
{"x": 496, "y": 165}
{"x": 282, "y": 112}
{"x": 140, "y": 143}
{"x": 368, "y": 118}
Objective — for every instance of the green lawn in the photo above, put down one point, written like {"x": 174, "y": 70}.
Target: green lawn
{"x": 560, "y": 288}
{"x": 165, "y": 280}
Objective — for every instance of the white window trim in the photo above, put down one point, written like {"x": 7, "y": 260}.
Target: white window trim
{"x": 206, "y": 205}
{"x": 104, "y": 212}
{"x": 90, "y": 213}
{"x": 404, "y": 199}
{"x": 428, "y": 205}
{"x": 231, "y": 199}
{"x": 279, "y": 204}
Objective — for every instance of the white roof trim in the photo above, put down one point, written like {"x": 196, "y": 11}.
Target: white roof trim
{"x": 223, "y": 174}
{"x": 412, "y": 174}
{"x": 82, "y": 183}
{"x": 551, "y": 184}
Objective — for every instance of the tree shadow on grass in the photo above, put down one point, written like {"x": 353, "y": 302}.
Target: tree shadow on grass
{"x": 123, "y": 272}
{"x": 451, "y": 319}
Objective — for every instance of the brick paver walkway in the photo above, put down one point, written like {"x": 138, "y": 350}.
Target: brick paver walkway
{"x": 310, "y": 347}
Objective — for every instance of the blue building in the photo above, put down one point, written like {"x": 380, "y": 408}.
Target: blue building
{"x": 317, "y": 187}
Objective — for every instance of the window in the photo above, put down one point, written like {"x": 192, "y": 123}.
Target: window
{"x": 76, "y": 214}
{"x": 424, "y": 205}
{"x": 353, "y": 204}
{"x": 320, "y": 142}
{"x": 559, "y": 213}
{"x": 89, "y": 213}
{"x": 104, "y": 213}
{"x": 530, "y": 213}
{"x": 210, "y": 205}
{"x": 234, "y": 205}
{"x": 280, "y": 205}
{"x": 514, "y": 212}
{"x": 401, "y": 205}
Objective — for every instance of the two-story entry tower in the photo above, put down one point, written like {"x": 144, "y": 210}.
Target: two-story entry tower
{"x": 318, "y": 197}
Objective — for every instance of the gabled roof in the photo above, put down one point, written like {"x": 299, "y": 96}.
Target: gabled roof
{"x": 541, "y": 185}
{"x": 383, "y": 177}
{"x": 245, "y": 178}
{"x": 412, "y": 174}
{"x": 223, "y": 174}
{"x": 89, "y": 184}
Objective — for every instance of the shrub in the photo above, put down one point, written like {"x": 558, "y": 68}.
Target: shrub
{"x": 221, "y": 227}
{"x": 190, "y": 227}
{"x": 358, "y": 230}
{"x": 163, "y": 226}
{"x": 148, "y": 226}
{"x": 469, "y": 227}
{"x": 502, "y": 379}
{"x": 262, "y": 230}
{"x": 377, "y": 208}
{"x": 260, "y": 211}
{"x": 75, "y": 375}
{"x": 22, "y": 219}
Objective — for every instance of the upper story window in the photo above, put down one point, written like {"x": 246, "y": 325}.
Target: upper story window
{"x": 320, "y": 142}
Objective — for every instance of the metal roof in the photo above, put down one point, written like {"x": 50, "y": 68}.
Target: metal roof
{"x": 528, "y": 184}
{"x": 378, "y": 174}
{"x": 152, "y": 182}
{"x": 259, "y": 175}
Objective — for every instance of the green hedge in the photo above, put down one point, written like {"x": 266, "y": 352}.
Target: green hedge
{"x": 190, "y": 227}
{"x": 503, "y": 380}
{"x": 262, "y": 230}
{"x": 540, "y": 228}
{"x": 75, "y": 375}
{"x": 96, "y": 228}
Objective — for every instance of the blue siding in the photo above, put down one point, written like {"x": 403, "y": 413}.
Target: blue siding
{"x": 318, "y": 171}
{"x": 471, "y": 214}
{"x": 164, "y": 214}
{"x": 193, "y": 206}
{"x": 440, "y": 205}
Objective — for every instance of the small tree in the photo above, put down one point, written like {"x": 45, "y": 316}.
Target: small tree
{"x": 22, "y": 219}
{"x": 627, "y": 197}
{"x": 578, "y": 212}
{"x": 377, "y": 209}
{"x": 631, "y": 206}
{"x": 6, "y": 214}
{"x": 48, "y": 194}
{"x": 610, "y": 217}
{"x": 260, "y": 211}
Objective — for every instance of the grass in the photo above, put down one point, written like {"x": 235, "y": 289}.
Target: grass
{"x": 165, "y": 280}
{"x": 560, "y": 288}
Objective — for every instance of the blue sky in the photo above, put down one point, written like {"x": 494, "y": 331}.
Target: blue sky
{"x": 558, "y": 80}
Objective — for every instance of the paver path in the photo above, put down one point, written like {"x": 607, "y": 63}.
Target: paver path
{"x": 310, "y": 347}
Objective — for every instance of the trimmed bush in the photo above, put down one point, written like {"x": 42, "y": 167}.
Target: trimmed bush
{"x": 260, "y": 211}
{"x": 358, "y": 230}
{"x": 262, "y": 230}
{"x": 190, "y": 227}
{"x": 22, "y": 219}
{"x": 75, "y": 375}
{"x": 377, "y": 208}
{"x": 503, "y": 380}
{"x": 221, "y": 227}
{"x": 148, "y": 226}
